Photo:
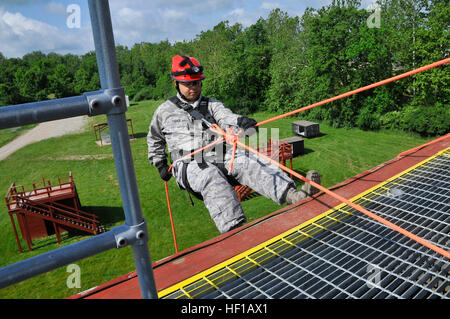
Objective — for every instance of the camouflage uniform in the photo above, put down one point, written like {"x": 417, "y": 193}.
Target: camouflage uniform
{"x": 207, "y": 173}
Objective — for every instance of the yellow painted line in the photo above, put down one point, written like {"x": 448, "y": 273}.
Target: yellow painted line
{"x": 244, "y": 255}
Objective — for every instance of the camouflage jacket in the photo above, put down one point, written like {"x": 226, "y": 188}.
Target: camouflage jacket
{"x": 175, "y": 128}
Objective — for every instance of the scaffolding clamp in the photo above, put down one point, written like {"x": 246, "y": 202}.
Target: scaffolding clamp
{"x": 109, "y": 101}
{"x": 131, "y": 235}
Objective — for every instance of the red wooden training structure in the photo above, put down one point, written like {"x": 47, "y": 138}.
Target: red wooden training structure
{"x": 48, "y": 209}
{"x": 275, "y": 149}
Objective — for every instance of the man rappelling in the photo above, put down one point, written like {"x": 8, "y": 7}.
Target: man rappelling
{"x": 183, "y": 124}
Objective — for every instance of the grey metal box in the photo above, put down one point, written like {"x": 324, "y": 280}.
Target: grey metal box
{"x": 297, "y": 144}
{"x": 305, "y": 128}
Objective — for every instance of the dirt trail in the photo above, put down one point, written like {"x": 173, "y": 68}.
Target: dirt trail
{"x": 44, "y": 131}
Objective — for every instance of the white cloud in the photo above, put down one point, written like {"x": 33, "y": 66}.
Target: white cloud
{"x": 239, "y": 15}
{"x": 128, "y": 25}
{"x": 135, "y": 22}
{"x": 129, "y": 14}
{"x": 20, "y": 35}
{"x": 238, "y": 12}
{"x": 20, "y": 25}
{"x": 56, "y": 8}
{"x": 172, "y": 14}
{"x": 195, "y": 7}
{"x": 270, "y": 5}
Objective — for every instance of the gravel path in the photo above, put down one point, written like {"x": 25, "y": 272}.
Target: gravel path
{"x": 44, "y": 131}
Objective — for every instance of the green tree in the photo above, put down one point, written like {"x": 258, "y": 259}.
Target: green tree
{"x": 418, "y": 35}
{"x": 60, "y": 81}
{"x": 31, "y": 80}
{"x": 252, "y": 79}
{"x": 433, "y": 44}
{"x": 213, "y": 48}
{"x": 86, "y": 77}
{"x": 151, "y": 69}
{"x": 288, "y": 59}
{"x": 330, "y": 34}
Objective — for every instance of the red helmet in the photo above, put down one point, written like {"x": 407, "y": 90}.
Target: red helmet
{"x": 186, "y": 69}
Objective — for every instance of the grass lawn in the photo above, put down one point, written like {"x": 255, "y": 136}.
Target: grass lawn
{"x": 337, "y": 154}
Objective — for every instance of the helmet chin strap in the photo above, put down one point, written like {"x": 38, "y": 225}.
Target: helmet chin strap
{"x": 181, "y": 94}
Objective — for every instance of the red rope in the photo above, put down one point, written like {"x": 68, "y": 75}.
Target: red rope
{"x": 171, "y": 218}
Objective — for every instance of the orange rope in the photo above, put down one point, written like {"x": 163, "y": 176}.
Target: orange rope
{"x": 232, "y": 138}
{"x": 355, "y": 206}
{"x": 171, "y": 218}
{"x": 400, "y": 76}
{"x": 232, "y": 157}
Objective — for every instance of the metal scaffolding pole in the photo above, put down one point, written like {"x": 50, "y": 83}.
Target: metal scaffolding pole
{"x": 38, "y": 112}
{"x": 54, "y": 259}
{"x": 110, "y": 101}
{"x": 109, "y": 78}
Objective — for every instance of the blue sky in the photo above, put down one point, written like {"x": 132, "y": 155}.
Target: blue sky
{"x": 29, "y": 25}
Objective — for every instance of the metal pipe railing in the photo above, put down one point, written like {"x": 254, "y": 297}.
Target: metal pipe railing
{"x": 104, "y": 44}
{"x": 117, "y": 122}
{"x": 38, "y": 112}
{"x": 42, "y": 263}
{"x": 118, "y": 237}
{"x": 110, "y": 101}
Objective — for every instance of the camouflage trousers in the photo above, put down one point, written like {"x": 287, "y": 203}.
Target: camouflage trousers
{"x": 210, "y": 180}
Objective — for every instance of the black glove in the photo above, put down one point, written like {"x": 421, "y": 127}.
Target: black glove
{"x": 163, "y": 169}
{"x": 248, "y": 125}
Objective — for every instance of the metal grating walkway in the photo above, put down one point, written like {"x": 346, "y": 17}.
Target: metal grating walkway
{"x": 342, "y": 253}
